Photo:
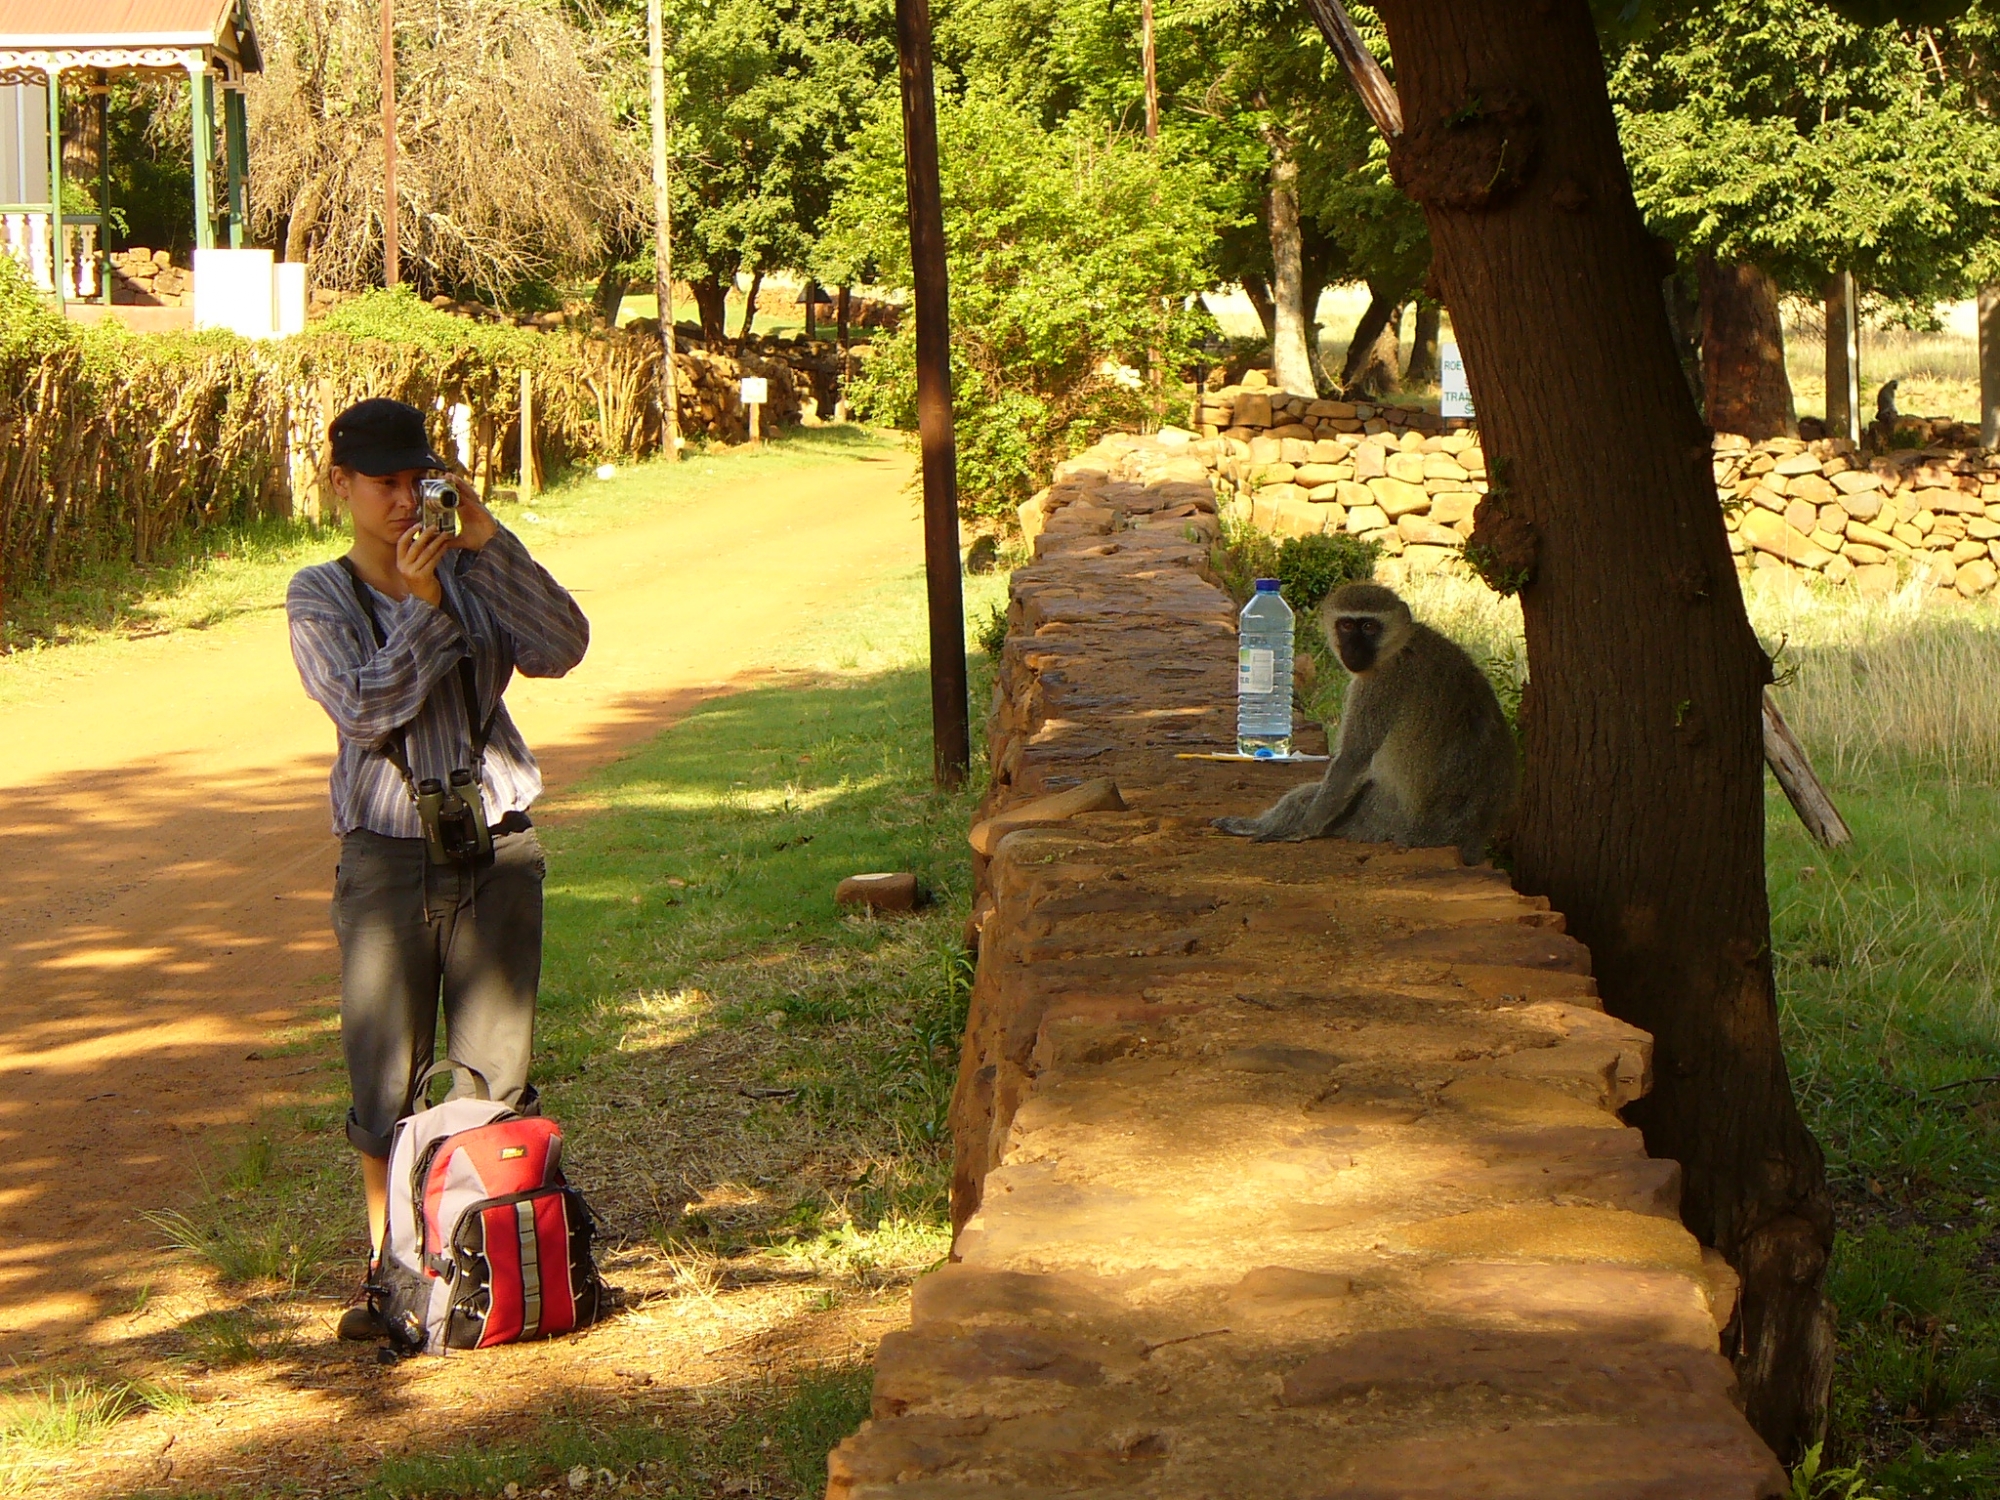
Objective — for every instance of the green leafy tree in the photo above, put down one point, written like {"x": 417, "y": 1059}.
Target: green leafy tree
{"x": 1075, "y": 261}
{"x": 762, "y": 100}
{"x": 1778, "y": 135}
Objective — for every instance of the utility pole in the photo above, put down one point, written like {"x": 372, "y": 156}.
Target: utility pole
{"x": 951, "y": 739}
{"x": 1152, "y": 75}
{"x": 663, "y": 233}
{"x": 392, "y": 275}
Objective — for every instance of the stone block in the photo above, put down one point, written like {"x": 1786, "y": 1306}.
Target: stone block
{"x": 1331, "y": 409}
{"x": 1776, "y": 537}
{"x": 1252, "y": 409}
{"x": 1407, "y": 467}
{"x": 1444, "y": 466}
{"x": 890, "y": 892}
{"x": 1331, "y": 451}
{"x": 1877, "y": 580}
{"x": 1294, "y": 431}
{"x": 1801, "y": 516}
{"x": 1398, "y": 497}
{"x": 1810, "y": 488}
{"x": 1453, "y": 506}
{"x": 1318, "y": 473}
{"x": 1977, "y": 577}
{"x": 1350, "y": 494}
{"x": 1421, "y": 530}
{"x": 1797, "y": 463}
{"x": 1267, "y": 450}
{"x": 1363, "y": 519}
{"x": 1370, "y": 461}
{"x": 1834, "y": 518}
{"x": 1099, "y": 794}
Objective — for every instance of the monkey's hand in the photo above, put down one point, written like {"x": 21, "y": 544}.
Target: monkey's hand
{"x": 1241, "y": 827}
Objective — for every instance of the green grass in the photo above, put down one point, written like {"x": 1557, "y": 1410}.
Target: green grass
{"x": 43, "y": 1422}
{"x": 778, "y": 1442}
{"x": 205, "y": 578}
{"x": 1887, "y": 953}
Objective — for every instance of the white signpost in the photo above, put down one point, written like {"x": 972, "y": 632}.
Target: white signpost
{"x": 755, "y": 391}
{"x": 1455, "y": 396}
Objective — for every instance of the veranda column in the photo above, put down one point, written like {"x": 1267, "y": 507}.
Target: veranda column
{"x": 236, "y": 152}
{"x": 201, "y": 110}
{"x": 59, "y": 267}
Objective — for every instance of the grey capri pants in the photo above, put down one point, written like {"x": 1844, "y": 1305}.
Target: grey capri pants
{"x": 413, "y": 934}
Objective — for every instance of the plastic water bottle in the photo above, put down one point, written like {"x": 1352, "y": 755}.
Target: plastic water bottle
{"x": 1264, "y": 674}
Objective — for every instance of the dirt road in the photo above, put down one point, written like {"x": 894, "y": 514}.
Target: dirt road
{"x": 165, "y": 856}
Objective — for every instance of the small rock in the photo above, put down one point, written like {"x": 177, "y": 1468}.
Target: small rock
{"x": 879, "y": 891}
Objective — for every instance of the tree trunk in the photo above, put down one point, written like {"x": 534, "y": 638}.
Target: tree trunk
{"x": 1258, "y": 291}
{"x": 749, "y": 309}
{"x": 1423, "y": 366}
{"x": 1642, "y": 806}
{"x": 610, "y": 292}
{"x": 812, "y": 310}
{"x": 1314, "y": 289}
{"x": 1291, "y": 361}
{"x": 1363, "y": 366}
{"x": 1989, "y": 366}
{"x": 1843, "y": 358}
{"x": 304, "y": 216}
{"x": 1743, "y": 353}
{"x": 711, "y": 301}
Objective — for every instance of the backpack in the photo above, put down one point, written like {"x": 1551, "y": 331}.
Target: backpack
{"x": 487, "y": 1243}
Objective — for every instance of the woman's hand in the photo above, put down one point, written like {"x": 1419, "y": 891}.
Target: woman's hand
{"x": 476, "y": 525}
{"x": 417, "y": 554}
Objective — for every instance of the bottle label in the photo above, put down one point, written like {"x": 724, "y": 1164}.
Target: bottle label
{"x": 1256, "y": 669}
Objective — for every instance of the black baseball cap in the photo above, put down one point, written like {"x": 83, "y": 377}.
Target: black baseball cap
{"x": 379, "y": 436}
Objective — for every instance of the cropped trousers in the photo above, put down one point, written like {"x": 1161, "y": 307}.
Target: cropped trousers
{"x": 418, "y": 938}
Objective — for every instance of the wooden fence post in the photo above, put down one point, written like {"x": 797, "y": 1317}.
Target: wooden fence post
{"x": 530, "y": 479}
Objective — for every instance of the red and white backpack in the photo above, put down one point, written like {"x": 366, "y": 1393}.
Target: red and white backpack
{"x": 487, "y": 1244}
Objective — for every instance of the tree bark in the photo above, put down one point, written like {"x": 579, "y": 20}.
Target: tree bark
{"x": 1642, "y": 806}
{"x": 749, "y": 309}
{"x": 711, "y": 301}
{"x": 1743, "y": 353}
{"x": 1258, "y": 291}
{"x": 1376, "y": 337}
{"x": 304, "y": 216}
{"x": 1989, "y": 366}
{"x": 812, "y": 310}
{"x": 611, "y": 287}
{"x": 1423, "y": 366}
{"x": 1291, "y": 360}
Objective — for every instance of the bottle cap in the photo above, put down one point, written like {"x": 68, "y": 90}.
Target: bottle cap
{"x": 1268, "y": 585}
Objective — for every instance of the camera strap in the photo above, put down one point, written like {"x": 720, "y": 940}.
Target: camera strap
{"x": 396, "y": 749}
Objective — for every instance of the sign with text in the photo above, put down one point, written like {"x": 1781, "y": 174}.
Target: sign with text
{"x": 1454, "y": 396}
{"x": 756, "y": 390}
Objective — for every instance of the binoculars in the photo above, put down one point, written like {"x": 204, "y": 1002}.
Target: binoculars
{"x": 454, "y": 820}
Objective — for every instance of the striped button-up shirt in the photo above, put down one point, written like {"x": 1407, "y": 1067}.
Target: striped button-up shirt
{"x": 501, "y": 607}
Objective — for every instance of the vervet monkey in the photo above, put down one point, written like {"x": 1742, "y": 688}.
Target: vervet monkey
{"x": 1424, "y": 757}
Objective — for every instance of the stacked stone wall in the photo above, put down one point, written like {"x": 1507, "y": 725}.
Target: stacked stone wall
{"x": 1409, "y": 481}
{"x": 1282, "y": 1170}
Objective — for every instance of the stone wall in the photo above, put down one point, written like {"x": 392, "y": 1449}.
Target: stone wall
{"x": 1282, "y": 1170}
{"x": 1409, "y": 481}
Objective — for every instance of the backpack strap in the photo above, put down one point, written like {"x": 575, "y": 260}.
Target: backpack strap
{"x": 397, "y": 749}
{"x": 480, "y": 1090}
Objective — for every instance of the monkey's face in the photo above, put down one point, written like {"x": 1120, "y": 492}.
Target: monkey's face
{"x": 1358, "y": 639}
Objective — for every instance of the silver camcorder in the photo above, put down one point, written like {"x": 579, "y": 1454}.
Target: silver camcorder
{"x": 439, "y": 501}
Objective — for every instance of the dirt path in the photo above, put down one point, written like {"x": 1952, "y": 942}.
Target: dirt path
{"x": 165, "y": 858}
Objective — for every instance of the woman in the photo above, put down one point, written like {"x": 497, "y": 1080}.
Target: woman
{"x": 408, "y": 643}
